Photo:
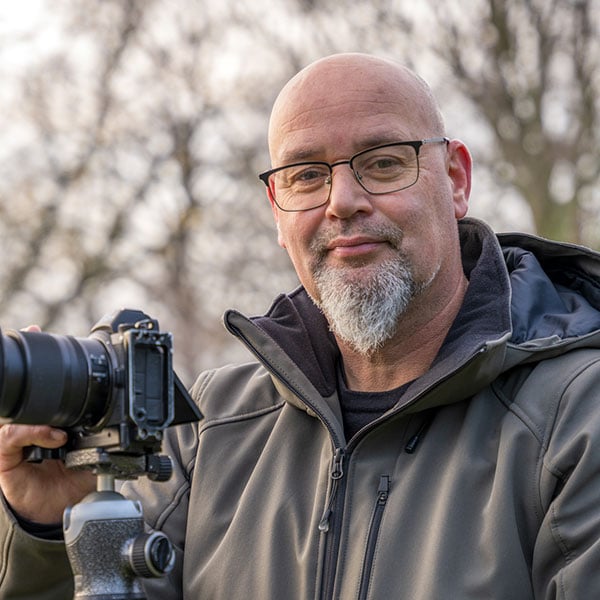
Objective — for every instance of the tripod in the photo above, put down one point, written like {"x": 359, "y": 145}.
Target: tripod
{"x": 104, "y": 534}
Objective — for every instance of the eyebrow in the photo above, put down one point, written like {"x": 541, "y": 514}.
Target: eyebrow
{"x": 384, "y": 138}
{"x": 301, "y": 155}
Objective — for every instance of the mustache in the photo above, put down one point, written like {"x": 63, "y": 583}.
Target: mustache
{"x": 385, "y": 232}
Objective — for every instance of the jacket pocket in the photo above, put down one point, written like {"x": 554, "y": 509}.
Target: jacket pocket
{"x": 382, "y": 495}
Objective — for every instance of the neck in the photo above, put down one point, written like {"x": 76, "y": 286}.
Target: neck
{"x": 410, "y": 352}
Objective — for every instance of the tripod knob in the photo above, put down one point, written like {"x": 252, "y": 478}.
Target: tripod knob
{"x": 151, "y": 555}
{"x": 158, "y": 467}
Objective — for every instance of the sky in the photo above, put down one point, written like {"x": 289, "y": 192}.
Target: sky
{"x": 26, "y": 31}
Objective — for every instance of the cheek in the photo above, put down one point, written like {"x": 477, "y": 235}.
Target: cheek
{"x": 294, "y": 235}
{"x": 295, "y": 231}
{"x": 293, "y": 242}
{"x": 429, "y": 226}
{"x": 280, "y": 238}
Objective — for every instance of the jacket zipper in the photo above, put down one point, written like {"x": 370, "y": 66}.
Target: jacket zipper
{"x": 330, "y": 525}
{"x": 337, "y": 472}
{"x": 382, "y": 497}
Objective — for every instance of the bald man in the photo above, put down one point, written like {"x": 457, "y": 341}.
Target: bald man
{"x": 422, "y": 418}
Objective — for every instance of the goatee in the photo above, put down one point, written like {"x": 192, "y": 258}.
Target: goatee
{"x": 363, "y": 308}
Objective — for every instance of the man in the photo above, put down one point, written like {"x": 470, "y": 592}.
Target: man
{"x": 422, "y": 420}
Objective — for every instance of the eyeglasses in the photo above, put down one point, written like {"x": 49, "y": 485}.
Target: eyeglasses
{"x": 381, "y": 170}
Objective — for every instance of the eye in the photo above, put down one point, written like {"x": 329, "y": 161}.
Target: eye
{"x": 386, "y": 163}
{"x": 304, "y": 177}
{"x": 311, "y": 173}
{"x": 383, "y": 166}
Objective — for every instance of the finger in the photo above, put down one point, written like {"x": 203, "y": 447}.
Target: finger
{"x": 13, "y": 438}
{"x": 33, "y": 328}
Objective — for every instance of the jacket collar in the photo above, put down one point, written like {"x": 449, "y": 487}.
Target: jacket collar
{"x": 294, "y": 342}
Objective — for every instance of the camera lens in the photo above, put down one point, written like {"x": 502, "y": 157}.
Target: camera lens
{"x": 51, "y": 379}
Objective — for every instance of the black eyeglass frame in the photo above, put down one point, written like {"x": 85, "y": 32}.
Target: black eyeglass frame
{"x": 416, "y": 144}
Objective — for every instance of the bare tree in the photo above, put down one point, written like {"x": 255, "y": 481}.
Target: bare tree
{"x": 133, "y": 183}
{"x": 128, "y": 174}
{"x": 529, "y": 68}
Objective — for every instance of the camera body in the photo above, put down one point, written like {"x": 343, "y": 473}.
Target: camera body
{"x": 114, "y": 392}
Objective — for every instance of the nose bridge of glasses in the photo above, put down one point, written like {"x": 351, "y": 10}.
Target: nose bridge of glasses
{"x": 337, "y": 164}
{"x": 343, "y": 197}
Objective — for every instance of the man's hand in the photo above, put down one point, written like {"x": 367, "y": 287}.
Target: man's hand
{"x": 39, "y": 491}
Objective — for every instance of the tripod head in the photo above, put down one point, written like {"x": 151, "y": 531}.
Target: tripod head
{"x": 108, "y": 548}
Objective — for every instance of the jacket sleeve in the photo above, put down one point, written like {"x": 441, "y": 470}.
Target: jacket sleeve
{"x": 31, "y": 568}
{"x": 566, "y": 562}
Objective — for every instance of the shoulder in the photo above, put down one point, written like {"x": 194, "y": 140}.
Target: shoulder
{"x": 234, "y": 392}
{"x": 576, "y": 420}
{"x": 559, "y": 399}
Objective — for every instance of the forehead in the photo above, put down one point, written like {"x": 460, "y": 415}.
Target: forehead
{"x": 346, "y": 109}
{"x": 338, "y": 134}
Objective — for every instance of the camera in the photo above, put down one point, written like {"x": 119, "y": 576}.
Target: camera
{"x": 115, "y": 392}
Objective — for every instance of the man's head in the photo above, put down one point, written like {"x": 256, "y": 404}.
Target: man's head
{"x": 366, "y": 255}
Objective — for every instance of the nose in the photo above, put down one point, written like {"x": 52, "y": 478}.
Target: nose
{"x": 346, "y": 196}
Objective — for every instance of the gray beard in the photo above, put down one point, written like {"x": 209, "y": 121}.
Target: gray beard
{"x": 364, "y": 312}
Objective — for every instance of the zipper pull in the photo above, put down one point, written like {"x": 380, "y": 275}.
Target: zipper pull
{"x": 414, "y": 441}
{"x": 337, "y": 472}
{"x": 324, "y": 522}
{"x": 383, "y": 490}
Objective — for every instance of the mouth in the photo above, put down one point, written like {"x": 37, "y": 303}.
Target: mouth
{"x": 356, "y": 244}
{"x": 348, "y": 247}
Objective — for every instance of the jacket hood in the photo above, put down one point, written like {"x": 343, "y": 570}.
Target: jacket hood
{"x": 527, "y": 299}
{"x": 555, "y": 303}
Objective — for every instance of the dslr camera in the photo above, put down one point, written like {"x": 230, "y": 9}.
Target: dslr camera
{"x": 114, "y": 392}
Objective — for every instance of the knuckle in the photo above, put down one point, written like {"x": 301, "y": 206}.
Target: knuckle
{"x": 7, "y": 430}
{"x": 16, "y": 435}
{"x": 9, "y": 433}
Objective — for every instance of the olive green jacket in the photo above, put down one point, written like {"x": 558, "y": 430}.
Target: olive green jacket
{"x": 482, "y": 482}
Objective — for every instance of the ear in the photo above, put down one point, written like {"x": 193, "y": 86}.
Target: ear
{"x": 275, "y": 210}
{"x": 459, "y": 171}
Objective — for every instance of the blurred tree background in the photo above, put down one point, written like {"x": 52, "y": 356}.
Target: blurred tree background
{"x": 133, "y": 130}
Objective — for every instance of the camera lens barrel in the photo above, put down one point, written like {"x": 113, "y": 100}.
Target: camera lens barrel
{"x": 51, "y": 379}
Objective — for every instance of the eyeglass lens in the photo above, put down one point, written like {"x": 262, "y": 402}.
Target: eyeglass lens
{"x": 379, "y": 171}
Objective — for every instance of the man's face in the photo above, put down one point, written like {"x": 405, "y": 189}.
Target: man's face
{"x": 330, "y": 117}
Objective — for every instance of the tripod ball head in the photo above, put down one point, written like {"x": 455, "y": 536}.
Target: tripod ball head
{"x": 108, "y": 548}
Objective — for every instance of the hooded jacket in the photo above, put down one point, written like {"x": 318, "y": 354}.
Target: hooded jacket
{"x": 483, "y": 481}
